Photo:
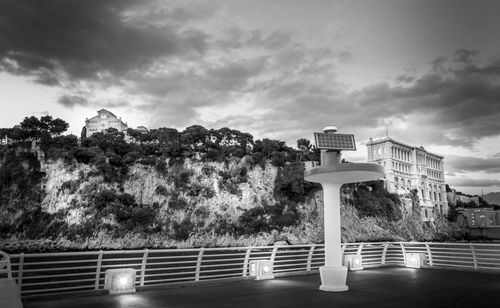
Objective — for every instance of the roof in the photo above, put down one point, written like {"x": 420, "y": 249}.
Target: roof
{"x": 385, "y": 139}
{"x": 104, "y": 111}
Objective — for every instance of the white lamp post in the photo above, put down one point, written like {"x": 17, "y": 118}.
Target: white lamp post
{"x": 332, "y": 174}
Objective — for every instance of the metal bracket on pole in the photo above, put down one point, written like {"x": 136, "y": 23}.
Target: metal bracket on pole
{"x": 245, "y": 263}
{"x": 403, "y": 251}
{"x": 309, "y": 257}
{"x": 429, "y": 254}
{"x": 20, "y": 272}
{"x": 143, "y": 265}
{"x": 474, "y": 257}
{"x": 98, "y": 270}
{"x": 198, "y": 264}
{"x": 384, "y": 253}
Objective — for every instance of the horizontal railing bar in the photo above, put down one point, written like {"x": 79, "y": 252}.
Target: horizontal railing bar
{"x": 238, "y": 265}
{"x": 57, "y": 269}
{"x": 58, "y": 275}
{"x": 121, "y": 265}
{"x": 221, "y": 270}
{"x": 206, "y": 256}
{"x": 169, "y": 268}
{"x": 90, "y": 287}
{"x": 172, "y": 262}
{"x": 194, "y": 257}
{"x": 221, "y": 260}
{"x": 170, "y": 274}
{"x": 119, "y": 259}
{"x": 220, "y": 276}
{"x": 169, "y": 279}
{"x": 56, "y": 282}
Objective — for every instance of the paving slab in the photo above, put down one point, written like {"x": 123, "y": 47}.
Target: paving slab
{"x": 381, "y": 287}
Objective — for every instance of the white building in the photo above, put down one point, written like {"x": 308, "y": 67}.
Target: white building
{"x": 103, "y": 120}
{"x": 410, "y": 167}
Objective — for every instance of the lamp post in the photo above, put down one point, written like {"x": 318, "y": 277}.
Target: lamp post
{"x": 332, "y": 174}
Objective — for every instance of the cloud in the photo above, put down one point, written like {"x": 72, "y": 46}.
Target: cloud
{"x": 468, "y": 182}
{"x": 82, "y": 39}
{"x": 70, "y": 101}
{"x": 473, "y": 164}
{"x": 174, "y": 59}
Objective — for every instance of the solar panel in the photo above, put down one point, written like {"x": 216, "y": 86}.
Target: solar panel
{"x": 335, "y": 141}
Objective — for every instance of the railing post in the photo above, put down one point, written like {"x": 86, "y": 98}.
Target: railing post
{"x": 403, "y": 251}
{"x": 429, "y": 254}
{"x": 143, "y": 266}
{"x": 198, "y": 264}
{"x": 342, "y": 248}
{"x": 98, "y": 270}
{"x": 474, "y": 257}
{"x": 245, "y": 263}
{"x": 273, "y": 254}
{"x": 309, "y": 257}
{"x": 384, "y": 253}
{"x": 20, "y": 272}
{"x": 360, "y": 248}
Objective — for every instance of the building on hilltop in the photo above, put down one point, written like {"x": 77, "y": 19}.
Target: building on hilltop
{"x": 103, "y": 120}
{"x": 410, "y": 167}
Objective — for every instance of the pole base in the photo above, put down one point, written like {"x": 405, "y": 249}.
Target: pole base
{"x": 333, "y": 279}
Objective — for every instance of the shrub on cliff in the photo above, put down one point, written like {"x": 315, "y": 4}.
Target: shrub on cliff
{"x": 290, "y": 183}
{"x": 377, "y": 202}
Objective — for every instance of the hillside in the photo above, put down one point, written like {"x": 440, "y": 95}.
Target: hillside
{"x": 192, "y": 188}
{"x": 492, "y": 198}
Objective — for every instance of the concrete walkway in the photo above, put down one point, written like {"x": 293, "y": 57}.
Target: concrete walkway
{"x": 382, "y": 287}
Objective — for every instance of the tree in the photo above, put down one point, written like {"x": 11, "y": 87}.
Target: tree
{"x": 45, "y": 127}
{"x": 304, "y": 146}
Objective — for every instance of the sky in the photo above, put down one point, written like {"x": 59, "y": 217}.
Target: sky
{"x": 424, "y": 72}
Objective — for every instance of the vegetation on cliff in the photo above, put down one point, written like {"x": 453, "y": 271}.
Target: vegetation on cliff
{"x": 197, "y": 187}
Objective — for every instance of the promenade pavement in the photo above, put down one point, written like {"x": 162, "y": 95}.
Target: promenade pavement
{"x": 380, "y": 287}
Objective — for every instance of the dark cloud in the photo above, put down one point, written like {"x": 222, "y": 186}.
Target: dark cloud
{"x": 459, "y": 104}
{"x": 405, "y": 79}
{"x": 465, "y": 55}
{"x": 70, "y": 101}
{"x": 81, "y": 39}
{"x": 475, "y": 164}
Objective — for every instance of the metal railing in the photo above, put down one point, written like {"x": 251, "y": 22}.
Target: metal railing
{"x": 46, "y": 273}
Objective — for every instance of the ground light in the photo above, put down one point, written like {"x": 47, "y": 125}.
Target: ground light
{"x": 120, "y": 280}
{"x": 414, "y": 260}
{"x": 353, "y": 262}
{"x": 261, "y": 269}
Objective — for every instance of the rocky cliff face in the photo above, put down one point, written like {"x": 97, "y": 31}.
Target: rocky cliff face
{"x": 454, "y": 198}
{"x": 196, "y": 204}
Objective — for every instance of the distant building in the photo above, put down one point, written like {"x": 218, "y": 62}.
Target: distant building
{"x": 481, "y": 217}
{"x": 142, "y": 129}
{"x": 103, "y": 120}
{"x": 410, "y": 167}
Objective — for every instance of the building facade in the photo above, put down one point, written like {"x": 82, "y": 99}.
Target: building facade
{"x": 410, "y": 167}
{"x": 103, "y": 120}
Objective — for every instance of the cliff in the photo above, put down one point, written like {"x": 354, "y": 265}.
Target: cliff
{"x": 198, "y": 204}
{"x": 189, "y": 189}
{"x": 458, "y": 199}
